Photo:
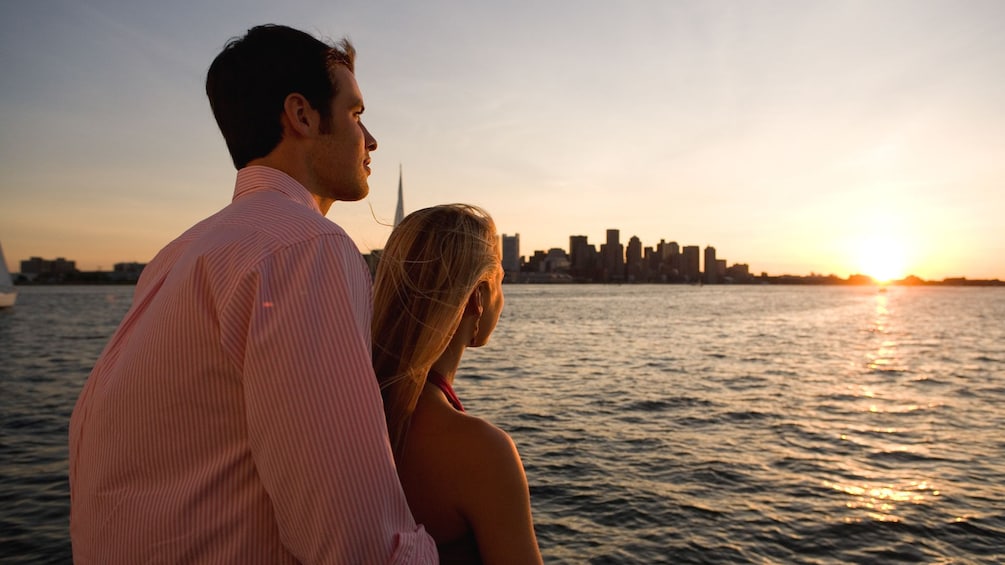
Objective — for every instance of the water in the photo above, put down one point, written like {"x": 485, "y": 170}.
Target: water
{"x": 656, "y": 423}
{"x": 48, "y": 343}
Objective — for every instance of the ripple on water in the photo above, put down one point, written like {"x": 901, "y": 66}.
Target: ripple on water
{"x": 657, "y": 424}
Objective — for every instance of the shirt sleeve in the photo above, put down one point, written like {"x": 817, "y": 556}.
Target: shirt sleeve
{"x": 315, "y": 420}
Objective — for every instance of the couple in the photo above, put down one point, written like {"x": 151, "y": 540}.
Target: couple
{"x": 236, "y": 414}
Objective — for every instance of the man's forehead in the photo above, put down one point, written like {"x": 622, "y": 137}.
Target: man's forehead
{"x": 345, "y": 85}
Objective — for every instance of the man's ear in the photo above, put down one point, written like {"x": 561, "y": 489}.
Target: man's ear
{"x": 298, "y": 115}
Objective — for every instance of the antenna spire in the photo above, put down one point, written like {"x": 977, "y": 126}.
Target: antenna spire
{"x": 399, "y": 212}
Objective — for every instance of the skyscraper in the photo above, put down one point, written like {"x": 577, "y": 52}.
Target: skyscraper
{"x": 614, "y": 256}
{"x": 689, "y": 268}
{"x": 511, "y": 254}
{"x": 577, "y": 250}
{"x": 669, "y": 254}
{"x": 399, "y": 212}
{"x": 711, "y": 271}
{"x": 583, "y": 257}
{"x": 633, "y": 259}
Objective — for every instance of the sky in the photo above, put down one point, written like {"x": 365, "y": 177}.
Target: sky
{"x": 829, "y": 137}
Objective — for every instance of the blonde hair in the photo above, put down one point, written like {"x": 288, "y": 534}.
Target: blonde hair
{"x": 433, "y": 261}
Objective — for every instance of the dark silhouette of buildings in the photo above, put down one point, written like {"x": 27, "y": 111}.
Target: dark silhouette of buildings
{"x": 613, "y": 254}
{"x": 633, "y": 261}
{"x": 689, "y": 258}
{"x": 127, "y": 272}
{"x": 668, "y": 262}
{"x": 511, "y": 255}
{"x": 711, "y": 274}
{"x": 44, "y": 271}
{"x": 614, "y": 262}
{"x": 37, "y": 268}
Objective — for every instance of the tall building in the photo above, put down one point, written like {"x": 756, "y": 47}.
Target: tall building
{"x": 577, "y": 250}
{"x": 399, "y": 211}
{"x": 652, "y": 265}
{"x": 633, "y": 259}
{"x": 711, "y": 272}
{"x": 511, "y": 254}
{"x": 690, "y": 257}
{"x": 614, "y": 256}
{"x": 582, "y": 258}
{"x": 669, "y": 254}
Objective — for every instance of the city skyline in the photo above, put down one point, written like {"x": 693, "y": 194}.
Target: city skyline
{"x": 697, "y": 272}
{"x": 837, "y": 137}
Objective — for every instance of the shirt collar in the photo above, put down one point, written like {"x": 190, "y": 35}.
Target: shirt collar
{"x": 259, "y": 178}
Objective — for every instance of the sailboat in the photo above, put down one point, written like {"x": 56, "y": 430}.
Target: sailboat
{"x": 8, "y": 294}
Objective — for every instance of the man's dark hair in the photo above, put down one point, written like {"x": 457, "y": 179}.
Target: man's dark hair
{"x": 249, "y": 81}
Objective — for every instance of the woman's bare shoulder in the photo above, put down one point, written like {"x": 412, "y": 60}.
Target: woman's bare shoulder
{"x": 460, "y": 438}
{"x": 478, "y": 471}
{"x": 494, "y": 494}
{"x": 472, "y": 451}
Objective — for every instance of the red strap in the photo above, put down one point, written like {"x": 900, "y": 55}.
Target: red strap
{"x": 441, "y": 383}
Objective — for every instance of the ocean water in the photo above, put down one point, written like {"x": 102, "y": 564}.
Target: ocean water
{"x": 657, "y": 424}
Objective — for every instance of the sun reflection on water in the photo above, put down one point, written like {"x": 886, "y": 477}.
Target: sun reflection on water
{"x": 882, "y": 312}
{"x": 883, "y": 396}
{"x": 885, "y": 357}
{"x": 881, "y": 502}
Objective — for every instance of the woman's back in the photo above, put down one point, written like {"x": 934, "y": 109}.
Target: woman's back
{"x": 465, "y": 483}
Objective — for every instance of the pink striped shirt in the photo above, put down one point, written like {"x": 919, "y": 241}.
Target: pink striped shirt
{"x": 234, "y": 416}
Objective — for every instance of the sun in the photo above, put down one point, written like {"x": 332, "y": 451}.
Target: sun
{"x": 882, "y": 258}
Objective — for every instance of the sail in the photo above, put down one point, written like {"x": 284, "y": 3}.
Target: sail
{"x": 8, "y": 294}
{"x": 5, "y": 281}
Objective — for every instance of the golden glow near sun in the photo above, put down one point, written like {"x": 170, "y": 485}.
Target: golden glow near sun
{"x": 882, "y": 258}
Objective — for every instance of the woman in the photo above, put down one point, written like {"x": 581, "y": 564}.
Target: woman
{"x": 438, "y": 291}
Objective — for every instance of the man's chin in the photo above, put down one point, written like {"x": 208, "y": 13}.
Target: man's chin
{"x": 355, "y": 194}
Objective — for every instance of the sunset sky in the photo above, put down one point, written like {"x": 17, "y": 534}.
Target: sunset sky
{"x": 835, "y": 137}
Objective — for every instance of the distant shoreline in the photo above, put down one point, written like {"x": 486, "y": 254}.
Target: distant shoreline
{"x": 782, "y": 280}
{"x": 787, "y": 281}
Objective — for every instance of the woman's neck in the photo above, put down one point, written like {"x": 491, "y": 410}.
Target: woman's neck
{"x": 448, "y": 362}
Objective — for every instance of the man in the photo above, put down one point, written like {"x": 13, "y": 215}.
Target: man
{"x": 234, "y": 416}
